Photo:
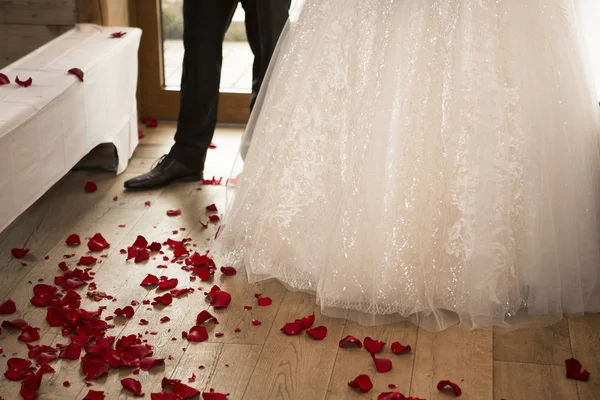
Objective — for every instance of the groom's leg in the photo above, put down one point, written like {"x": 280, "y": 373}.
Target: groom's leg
{"x": 265, "y": 20}
{"x": 204, "y": 25}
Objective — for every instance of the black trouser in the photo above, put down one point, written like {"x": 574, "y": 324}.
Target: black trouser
{"x": 204, "y": 25}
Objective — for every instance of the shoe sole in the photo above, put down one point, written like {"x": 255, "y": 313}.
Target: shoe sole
{"x": 184, "y": 179}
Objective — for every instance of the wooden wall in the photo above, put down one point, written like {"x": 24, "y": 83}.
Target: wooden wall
{"x": 25, "y": 25}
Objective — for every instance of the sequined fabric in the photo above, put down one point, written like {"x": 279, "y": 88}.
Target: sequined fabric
{"x": 423, "y": 159}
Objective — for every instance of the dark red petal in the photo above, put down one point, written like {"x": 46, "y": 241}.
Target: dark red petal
{"x": 351, "y": 340}
{"x": 127, "y": 312}
{"x": 94, "y": 246}
{"x": 73, "y": 240}
{"x": 383, "y": 365}
{"x": 100, "y": 239}
{"x": 317, "y": 333}
{"x": 575, "y": 371}
{"x": 150, "y": 280}
{"x": 211, "y": 207}
{"x": 71, "y": 352}
{"x": 133, "y": 385}
{"x": 256, "y": 322}
{"x": 220, "y": 299}
{"x": 167, "y": 284}
{"x": 391, "y": 396}
{"x": 197, "y": 334}
{"x": 94, "y": 367}
{"x": 229, "y": 271}
{"x": 205, "y": 316}
{"x": 77, "y": 72}
{"x": 90, "y": 187}
{"x": 173, "y": 213}
{"x": 87, "y": 260}
{"x": 19, "y": 253}
{"x": 155, "y": 246}
{"x": 443, "y": 384}
{"x": 373, "y": 346}
{"x": 66, "y": 383}
{"x": 24, "y": 83}
{"x": 140, "y": 241}
{"x": 212, "y": 395}
{"x": 94, "y": 395}
{"x": 398, "y": 348}
{"x": 214, "y": 218}
{"x": 8, "y": 307}
{"x": 15, "y": 323}
{"x": 361, "y": 382}
{"x": 149, "y": 362}
{"x": 292, "y": 328}
{"x": 212, "y": 145}
{"x": 264, "y": 301}
{"x": 116, "y": 35}
{"x": 165, "y": 299}
{"x": 307, "y": 321}
{"x": 29, "y": 334}
{"x": 4, "y": 79}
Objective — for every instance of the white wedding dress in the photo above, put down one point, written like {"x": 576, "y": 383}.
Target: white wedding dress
{"x": 430, "y": 160}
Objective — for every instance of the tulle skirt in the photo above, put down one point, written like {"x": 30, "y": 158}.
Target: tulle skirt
{"x": 437, "y": 161}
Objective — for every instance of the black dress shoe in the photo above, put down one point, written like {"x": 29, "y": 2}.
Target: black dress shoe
{"x": 168, "y": 170}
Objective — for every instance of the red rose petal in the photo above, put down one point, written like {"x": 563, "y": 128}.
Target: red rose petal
{"x": 66, "y": 383}
{"x": 29, "y": 334}
{"x": 73, "y": 240}
{"x": 361, "y": 382}
{"x": 19, "y": 253}
{"x": 71, "y": 352}
{"x": 77, "y": 72}
{"x": 382, "y": 365}
{"x": 127, "y": 312}
{"x": 93, "y": 368}
{"x": 18, "y": 368}
{"x": 197, "y": 334}
{"x": 211, "y": 207}
{"x": 256, "y": 322}
{"x": 4, "y": 79}
{"x": 392, "y": 386}
{"x": 165, "y": 299}
{"x": 87, "y": 260}
{"x": 292, "y": 328}
{"x": 228, "y": 271}
{"x": 398, "y": 348}
{"x": 214, "y": 218}
{"x": 373, "y": 346}
{"x": 100, "y": 239}
{"x": 173, "y": 213}
{"x": 351, "y": 340}
{"x": 205, "y": 316}
{"x": 167, "y": 284}
{"x": 133, "y": 385}
{"x": 90, "y": 187}
{"x": 94, "y": 395}
{"x": 116, "y": 35}
{"x": 8, "y": 307}
{"x": 575, "y": 371}
{"x": 443, "y": 384}
{"x": 143, "y": 322}
{"x": 318, "y": 333}
{"x": 147, "y": 203}
{"x": 264, "y": 301}
{"x": 212, "y": 395}
{"x": 25, "y": 83}
{"x": 148, "y": 362}
{"x": 212, "y": 145}
{"x": 393, "y": 396}
{"x": 150, "y": 280}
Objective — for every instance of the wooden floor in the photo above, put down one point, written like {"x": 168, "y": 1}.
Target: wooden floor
{"x": 259, "y": 362}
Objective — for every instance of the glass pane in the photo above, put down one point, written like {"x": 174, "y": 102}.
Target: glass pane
{"x": 236, "y": 72}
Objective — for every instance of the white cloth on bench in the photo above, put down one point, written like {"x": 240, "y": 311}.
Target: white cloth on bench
{"x": 46, "y": 128}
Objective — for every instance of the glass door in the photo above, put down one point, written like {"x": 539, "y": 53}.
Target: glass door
{"x": 161, "y": 56}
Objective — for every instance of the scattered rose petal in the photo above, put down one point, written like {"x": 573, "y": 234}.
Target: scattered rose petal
{"x": 66, "y": 383}
{"x": 264, "y": 301}
{"x": 211, "y": 207}
{"x": 392, "y": 386}
{"x": 214, "y": 218}
{"x": 148, "y": 362}
{"x": 87, "y": 260}
{"x": 205, "y": 316}
{"x": 443, "y": 384}
{"x": 173, "y": 213}
{"x": 197, "y": 334}
{"x": 94, "y": 395}
{"x": 398, "y": 348}
{"x": 126, "y": 312}
{"x": 361, "y": 382}
{"x": 165, "y": 299}
{"x": 212, "y": 395}
{"x": 166, "y": 284}
{"x": 116, "y": 35}
{"x": 25, "y": 83}
{"x": 150, "y": 280}
{"x": 8, "y": 307}
{"x": 256, "y": 322}
{"x": 165, "y": 319}
{"x": 318, "y": 333}
{"x": 133, "y": 385}
{"x": 4, "y": 79}
{"x": 77, "y": 72}
{"x": 373, "y": 346}
{"x": 575, "y": 371}
{"x": 292, "y": 328}
{"x": 19, "y": 253}
{"x": 147, "y": 203}
{"x": 73, "y": 240}
{"x": 93, "y": 368}
{"x": 382, "y": 365}
{"x": 90, "y": 187}
{"x": 228, "y": 271}
{"x": 350, "y": 340}
{"x": 212, "y": 145}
